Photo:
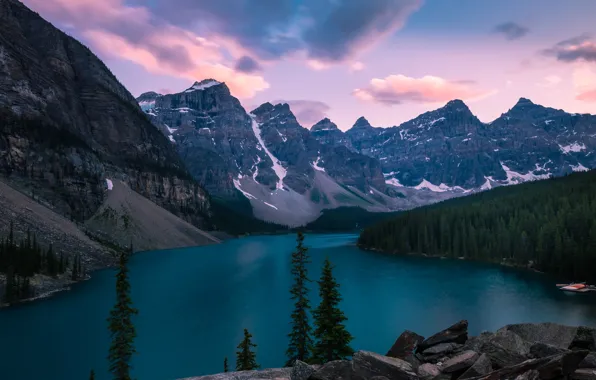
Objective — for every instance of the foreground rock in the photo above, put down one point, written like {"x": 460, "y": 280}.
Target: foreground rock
{"x": 515, "y": 352}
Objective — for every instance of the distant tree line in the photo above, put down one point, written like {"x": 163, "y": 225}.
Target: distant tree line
{"x": 21, "y": 261}
{"x": 549, "y": 224}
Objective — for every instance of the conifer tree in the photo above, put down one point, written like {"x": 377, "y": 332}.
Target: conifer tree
{"x": 121, "y": 328}
{"x": 92, "y": 375}
{"x": 332, "y": 338}
{"x": 75, "y": 267}
{"x": 226, "y": 364}
{"x": 246, "y": 358}
{"x": 300, "y": 337}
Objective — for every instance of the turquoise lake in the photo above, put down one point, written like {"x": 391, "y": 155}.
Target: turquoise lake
{"x": 194, "y": 303}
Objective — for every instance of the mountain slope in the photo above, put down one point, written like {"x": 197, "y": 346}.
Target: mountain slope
{"x": 265, "y": 156}
{"x": 549, "y": 225}
{"x": 67, "y": 125}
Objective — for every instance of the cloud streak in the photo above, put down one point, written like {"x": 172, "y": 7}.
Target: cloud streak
{"x": 135, "y": 34}
{"x": 580, "y": 48}
{"x": 511, "y": 30}
{"x": 399, "y": 89}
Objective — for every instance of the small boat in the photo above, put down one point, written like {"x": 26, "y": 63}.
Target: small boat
{"x": 576, "y": 287}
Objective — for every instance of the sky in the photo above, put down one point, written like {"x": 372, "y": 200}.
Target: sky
{"x": 386, "y": 60}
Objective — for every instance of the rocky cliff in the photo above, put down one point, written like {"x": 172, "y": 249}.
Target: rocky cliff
{"x": 67, "y": 125}
{"x": 514, "y": 352}
{"x": 449, "y": 149}
{"x": 265, "y": 156}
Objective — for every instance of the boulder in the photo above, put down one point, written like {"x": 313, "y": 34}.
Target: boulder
{"x": 428, "y": 371}
{"x": 505, "y": 349}
{"x": 542, "y": 350}
{"x": 442, "y": 349}
{"x": 530, "y": 375}
{"x": 585, "y": 339}
{"x": 301, "y": 371}
{"x": 458, "y": 333}
{"x": 482, "y": 366}
{"x": 589, "y": 361}
{"x": 405, "y": 345}
{"x": 474, "y": 343}
{"x": 271, "y": 373}
{"x": 549, "y": 333}
{"x": 460, "y": 362}
{"x": 367, "y": 364}
{"x": 584, "y": 374}
{"x": 335, "y": 370}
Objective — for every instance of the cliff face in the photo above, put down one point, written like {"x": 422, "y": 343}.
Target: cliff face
{"x": 67, "y": 125}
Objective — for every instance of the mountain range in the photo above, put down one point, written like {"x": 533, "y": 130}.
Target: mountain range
{"x": 290, "y": 173}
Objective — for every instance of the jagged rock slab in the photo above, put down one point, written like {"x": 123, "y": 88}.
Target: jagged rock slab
{"x": 367, "y": 364}
{"x": 549, "y": 333}
{"x": 482, "y": 366}
{"x": 272, "y": 373}
{"x": 584, "y": 374}
{"x": 428, "y": 371}
{"x": 335, "y": 370}
{"x": 301, "y": 371}
{"x": 405, "y": 345}
{"x": 457, "y": 333}
{"x": 460, "y": 362}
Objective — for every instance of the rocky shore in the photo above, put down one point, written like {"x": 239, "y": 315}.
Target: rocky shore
{"x": 515, "y": 352}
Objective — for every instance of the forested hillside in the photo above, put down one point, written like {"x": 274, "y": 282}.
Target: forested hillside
{"x": 549, "y": 224}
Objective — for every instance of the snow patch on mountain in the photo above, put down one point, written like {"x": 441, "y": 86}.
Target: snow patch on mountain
{"x": 279, "y": 170}
{"x": 440, "y": 188}
{"x": 147, "y": 105}
{"x": 394, "y": 182}
{"x": 256, "y": 168}
{"x": 579, "y": 168}
{"x": 575, "y": 147}
{"x": 239, "y": 188}
{"x": 109, "y": 184}
{"x": 203, "y": 85}
{"x": 316, "y": 166}
{"x": 514, "y": 177}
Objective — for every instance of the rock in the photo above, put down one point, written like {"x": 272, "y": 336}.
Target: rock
{"x": 428, "y": 371}
{"x": 442, "y": 349}
{"x": 505, "y": 348}
{"x": 367, "y": 364}
{"x": 530, "y": 375}
{"x": 585, "y": 339}
{"x": 458, "y": 333}
{"x": 338, "y": 369}
{"x": 548, "y": 368}
{"x": 482, "y": 366}
{"x": 271, "y": 373}
{"x": 301, "y": 371}
{"x": 584, "y": 374}
{"x": 542, "y": 350}
{"x": 405, "y": 345}
{"x": 589, "y": 361}
{"x": 549, "y": 333}
{"x": 462, "y": 361}
{"x": 474, "y": 343}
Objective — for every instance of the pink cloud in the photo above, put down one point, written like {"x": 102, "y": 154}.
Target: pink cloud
{"x": 584, "y": 82}
{"x": 588, "y": 96}
{"x": 133, "y": 33}
{"x": 397, "y": 89}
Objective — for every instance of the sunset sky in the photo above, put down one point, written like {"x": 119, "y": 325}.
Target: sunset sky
{"x": 387, "y": 60}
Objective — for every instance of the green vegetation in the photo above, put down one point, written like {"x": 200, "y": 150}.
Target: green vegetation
{"x": 92, "y": 375}
{"x": 246, "y": 359}
{"x": 226, "y": 364}
{"x": 549, "y": 224}
{"x": 332, "y": 338}
{"x": 347, "y": 219}
{"x": 236, "y": 218}
{"x": 19, "y": 262}
{"x": 300, "y": 340}
{"x": 122, "y": 330}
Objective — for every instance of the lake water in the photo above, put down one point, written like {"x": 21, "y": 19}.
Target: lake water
{"x": 194, "y": 304}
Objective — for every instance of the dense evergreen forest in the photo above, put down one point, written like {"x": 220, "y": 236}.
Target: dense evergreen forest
{"x": 347, "y": 219}
{"x": 236, "y": 218}
{"x": 19, "y": 262}
{"x": 549, "y": 224}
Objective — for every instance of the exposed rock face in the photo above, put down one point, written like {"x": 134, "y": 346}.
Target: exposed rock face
{"x": 326, "y": 132}
{"x": 450, "y": 148}
{"x": 458, "y": 333}
{"x": 67, "y": 124}
{"x": 405, "y": 345}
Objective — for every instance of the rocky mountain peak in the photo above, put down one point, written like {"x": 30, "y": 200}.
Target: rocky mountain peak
{"x": 148, "y": 96}
{"x": 204, "y": 84}
{"x": 456, "y": 105}
{"x": 263, "y": 108}
{"x": 361, "y": 123}
{"x": 324, "y": 125}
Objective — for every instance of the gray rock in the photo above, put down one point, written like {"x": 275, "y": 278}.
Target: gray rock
{"x": 589, "y": 361}
{"x": 301, "y": 371}
{"x": 542, "y": 350}
{"x": 442, "y": 349}
{"x": 428, "y": 371}
{"x": 460, "y": 362}
{"x": 338, "y": 369}
{"x": 549, "y": 333}
{"x": 530, "y": 375}
{"x": 367, "y": 364}
{"x": 458, "y": 333}
{"x": 505, "y": 348}
{"x": 481, "y": 367}
{"x": 584, "y": 374}
{"x": 585, "y": 339}
{"x": 271, "y": 373}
